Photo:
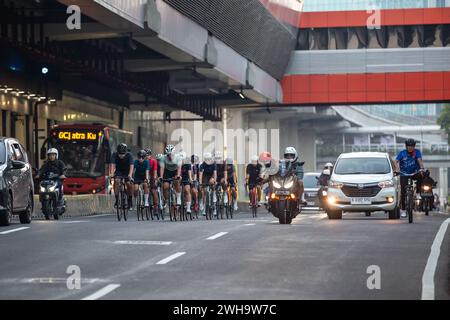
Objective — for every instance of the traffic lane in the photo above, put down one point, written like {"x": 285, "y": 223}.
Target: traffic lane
{"x": 319, "y": 259}
{"x": 442, "y": 277}
{"x": 38, "y": 259}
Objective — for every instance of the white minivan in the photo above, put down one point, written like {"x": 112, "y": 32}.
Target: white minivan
{"x": 363, "y": 182}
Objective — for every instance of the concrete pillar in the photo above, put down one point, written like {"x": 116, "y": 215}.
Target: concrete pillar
{"x": 307, "y": 150}
{"x": 443, "y": 185}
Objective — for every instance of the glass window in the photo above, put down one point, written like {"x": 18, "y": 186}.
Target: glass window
{"x": 17, "y": 152}
{"x": 362, "y": 166}
{"x": 310, "y": 181}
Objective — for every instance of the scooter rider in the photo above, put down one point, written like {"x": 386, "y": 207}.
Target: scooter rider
{"x": 324, "y": 177}
{"x": 409, "y": 161}
{"x": 54, "y": 165}
{"x": 291, "y": 155}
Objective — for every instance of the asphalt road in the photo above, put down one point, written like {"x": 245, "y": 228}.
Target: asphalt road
{"x": 243, "y": 258}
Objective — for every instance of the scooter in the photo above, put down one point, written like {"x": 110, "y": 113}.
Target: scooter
{"x": 49, "y": 197}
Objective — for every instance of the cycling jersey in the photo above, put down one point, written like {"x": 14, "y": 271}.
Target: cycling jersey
{"x": 122, "y": 165}
{"x": 208, "y": 171}
{"x": 153, "y": 166}
{"x": 170, "y": 165}
{"x": 230, "y": 172}
{"x": 220, "y": 167}
{"x": 409, "y": 163}
{"x": 185, "y": 168}
{"x": 140, "y": 170}
{"x": 253, "y": 171}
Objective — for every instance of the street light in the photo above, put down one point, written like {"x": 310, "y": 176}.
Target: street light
{"x": 44, "y": 70}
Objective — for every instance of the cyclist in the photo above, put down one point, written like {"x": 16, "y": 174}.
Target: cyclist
{"x": 142, "y": 175}
{"x": 252, "y": 178}
{"x": 409, "y": 161}
{"x": 158, "y": 157}
{"x": 121, "y": 167}
{"x": 186, "y": 179}
{"x": 207, "y": 175}
{"x": 222, "y": 173}
{"x": 232, "y": 180}
{"x": 171, "y": 169}
{"x": 291, "y": 155}
{"x": 194, "y": 188}
{"x": 154, "y": 166}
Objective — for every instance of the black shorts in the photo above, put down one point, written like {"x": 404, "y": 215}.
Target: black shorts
{"x": 169, "y": 174}
{"x": 206, "y": 179}
{"x": 231, "y": 182}
{"x": 185, "y": 182}
{"x": 139, "y": 180}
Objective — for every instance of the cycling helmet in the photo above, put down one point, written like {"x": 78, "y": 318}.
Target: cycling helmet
{"x": 207, "y": 157}
{"x": 229, "y": 160}
{"x": 254, "y": 159}
{"x": 148, "y": 151}
{"x": 141, "y": 154}
{"x": 122, "y": 148}
{"x": 53, "y": 151}
{"x": 410, "y": 142}
{"x": 290, "y": 154}
{"x": 182, "y": 156}
{"x": 265, "y": 158}
{"x": 218, "y": 156}
{"x": 195, "y": 159}
{"x": 159, "y": 157}
{"x": 170, "y": 149}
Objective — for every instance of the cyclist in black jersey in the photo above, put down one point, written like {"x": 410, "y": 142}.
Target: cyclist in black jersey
{"x": 207, "y": 175}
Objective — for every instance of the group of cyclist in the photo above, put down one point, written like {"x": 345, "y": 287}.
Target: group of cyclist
{"x": 185, "y": 174}
{"x": 191, "y": 177}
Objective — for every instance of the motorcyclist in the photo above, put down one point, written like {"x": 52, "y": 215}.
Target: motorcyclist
{"x": 56, "y": 166}
{"x": 291, "y": 155}
{"x": 409, "y": 161}
{"x": 324, "y": 177}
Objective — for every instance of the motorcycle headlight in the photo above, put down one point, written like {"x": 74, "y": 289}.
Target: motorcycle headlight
{"x": 289, "y": 184}
{"x": 276, "y": 185}
{"x": 42, "y": 189}
{"x": 52, "y": 188}
{"x": 386, "y": 184}
{"x": 426, "y": 188}
{"x": 335, "y": 184}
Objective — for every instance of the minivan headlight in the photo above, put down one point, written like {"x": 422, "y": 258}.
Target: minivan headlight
{"x": 386, "y": 184}
{"x": 335, "y": 184}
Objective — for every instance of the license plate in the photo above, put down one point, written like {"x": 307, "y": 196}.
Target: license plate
{"x": 310, "y": 204}
{"x": 282, "y": 193}
{"x": 361, "y": 201}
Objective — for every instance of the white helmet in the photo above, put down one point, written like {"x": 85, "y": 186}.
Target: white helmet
{"x": 182, "y": 156}
{"x": 328, "y": 165}
{"x": 54, "y": 151}
{"x": 291, "y": 151}
{"x": 229, "y": 160}
{"x": 254, "y": 159}
{"x": 170, "y": 149}
{"x": 218, "y": 156}
{"x": 207, "y": 157}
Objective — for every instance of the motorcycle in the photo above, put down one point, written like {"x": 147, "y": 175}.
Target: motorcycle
{"x": 426, "y": 193}
{"x": 284, "y": 204}
{"x": 323, "y": 190}
{"x": 49, "y": 197}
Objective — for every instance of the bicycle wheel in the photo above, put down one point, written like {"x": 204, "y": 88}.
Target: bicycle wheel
{"x": 409, "y": 206}
{"x": 119, "y": 207}
{"x": 124, "y": 205}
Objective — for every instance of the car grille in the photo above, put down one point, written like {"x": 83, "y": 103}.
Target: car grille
{"x": 366, "y": 191}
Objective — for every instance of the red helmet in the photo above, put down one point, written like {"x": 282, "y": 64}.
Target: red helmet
{"x": 265, "y": 157}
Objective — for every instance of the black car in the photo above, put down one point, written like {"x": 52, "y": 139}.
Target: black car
{"x": 16, "y": 182}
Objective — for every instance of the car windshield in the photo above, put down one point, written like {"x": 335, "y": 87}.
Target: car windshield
{"x": 362, "y": 166}
{"x": 2, "y": 152}
{"x": 310, "y": 181}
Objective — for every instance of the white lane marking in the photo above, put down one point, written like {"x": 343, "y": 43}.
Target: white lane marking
{"x": 170, "y": 258}
{"x": 217, "y": 235}
{"x": 430, "y": 268}
{"x": 14, "y": 230}
{"x": 99, "y": 215}
{"x": 249, "y": 224}
{"x": 102, "y": 292}
{"x": 75, "y": 221}
{"x": 157, "y": 243}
